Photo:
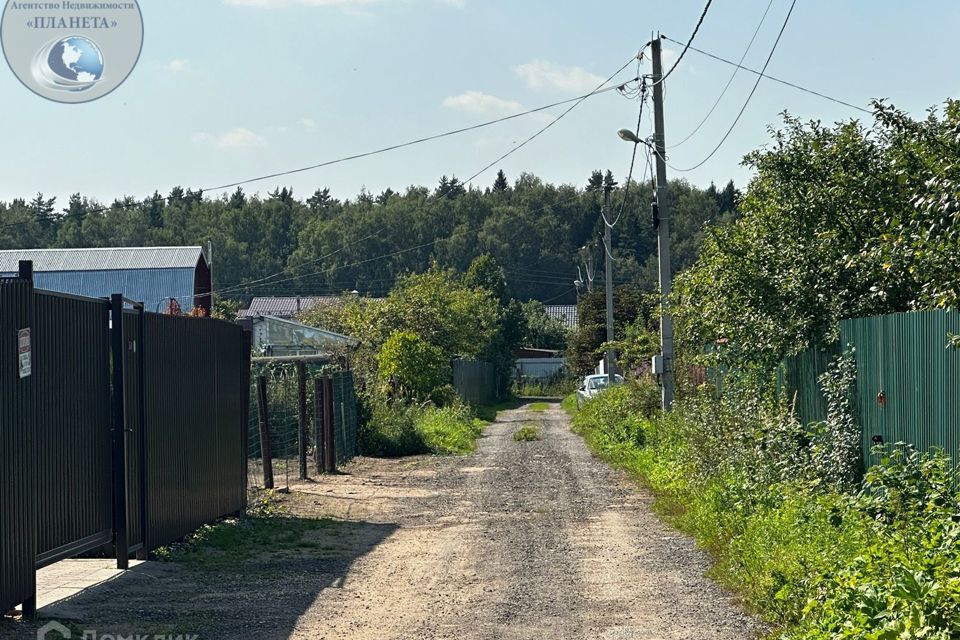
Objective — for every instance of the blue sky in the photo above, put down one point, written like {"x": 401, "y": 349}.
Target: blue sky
{"x": 231, "y": 89}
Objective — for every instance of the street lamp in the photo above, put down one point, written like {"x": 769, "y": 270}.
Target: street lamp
{"x": 629, "y": 136}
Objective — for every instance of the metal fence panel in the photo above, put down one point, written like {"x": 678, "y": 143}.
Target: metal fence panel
{"x": 194, "y": 423}
{"x": 73, "y": 428}
{"x": 475, "y": 381}
{"x": 799, "y": 379}
{"x": 17, "y": 497}
{"x": 907, "y": 379}
{"x": 344, "y": 416}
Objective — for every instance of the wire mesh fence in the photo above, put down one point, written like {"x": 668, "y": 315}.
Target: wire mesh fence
{"x": 280, "y": 403}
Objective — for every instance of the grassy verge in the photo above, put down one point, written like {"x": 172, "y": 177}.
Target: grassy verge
{"x": 539, "y": 407}
{"x": 569, "y": 404}
{"x": 396, "y": 430}
{"x": 876, "y": 561}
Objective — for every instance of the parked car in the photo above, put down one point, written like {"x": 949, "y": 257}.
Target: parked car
{"x": 593, "y": 385}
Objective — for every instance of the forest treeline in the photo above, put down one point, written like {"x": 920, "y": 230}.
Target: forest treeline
{"x": 280, "y": 244}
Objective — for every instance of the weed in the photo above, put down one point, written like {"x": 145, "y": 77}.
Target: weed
{"x": 538, "y": 406}
{"x": 527, "y": 433}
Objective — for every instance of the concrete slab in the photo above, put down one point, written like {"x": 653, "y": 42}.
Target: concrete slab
{"x": 70, "y": 578}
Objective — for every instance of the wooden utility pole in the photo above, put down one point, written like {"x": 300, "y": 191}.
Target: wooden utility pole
{"x": 663, "y": 229}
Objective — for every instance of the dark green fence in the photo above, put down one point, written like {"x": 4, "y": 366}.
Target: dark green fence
{"x": 344, "y": 416}
{"x": 475, "y": 381}
{"x": 908, "y": 379}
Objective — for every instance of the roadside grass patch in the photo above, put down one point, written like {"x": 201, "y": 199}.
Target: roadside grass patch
{"x": 234, "y": 544}
{"x": 539, "y": 407}
{"x": 527, "y": 433}
{"x": 396, "y": 430}
{"x": 569, "y": 405}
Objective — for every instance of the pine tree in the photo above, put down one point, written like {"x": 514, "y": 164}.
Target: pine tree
{"x": 500, "y": 184}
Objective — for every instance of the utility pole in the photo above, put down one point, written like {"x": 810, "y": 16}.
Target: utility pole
{"x": 662, "y": 202}
{"x": 611, "y": 357}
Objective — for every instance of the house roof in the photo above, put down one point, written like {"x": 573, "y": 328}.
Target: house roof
{"x": 565, "y": 313}
{"x": 284, "y": 307}
{"x": 105, "y": 259}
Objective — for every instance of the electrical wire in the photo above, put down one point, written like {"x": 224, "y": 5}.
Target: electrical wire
{"x": 550, "y": 124}
{"x": 633, "y": 159}
{"x": 783, "y": 82}
{"x": 747, "y": 101}
{"x": 730, "y": 81}
{"x": 239, "y": 183}
{"x": 687, "y": 46}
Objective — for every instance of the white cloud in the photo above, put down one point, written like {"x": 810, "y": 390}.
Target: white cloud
{"x": 233, "y": 140}
{"x": 176, "y": 65}
{"x": 542, "y": 74}
{"x": 309, "y": 124}
{"x": 482, "y": 103}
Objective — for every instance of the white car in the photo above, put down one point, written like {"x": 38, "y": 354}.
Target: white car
{"x": 593, "y": 385}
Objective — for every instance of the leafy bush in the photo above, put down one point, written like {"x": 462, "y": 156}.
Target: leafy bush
{"x": 414, "y": 364}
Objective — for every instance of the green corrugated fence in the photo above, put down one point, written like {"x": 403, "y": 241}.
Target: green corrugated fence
{"x": 908, "y": 379}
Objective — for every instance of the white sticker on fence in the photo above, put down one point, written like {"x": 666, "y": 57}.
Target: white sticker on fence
{"x": 24, "y": 353}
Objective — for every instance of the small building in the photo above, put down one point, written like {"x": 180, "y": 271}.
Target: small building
{"x": 538, "y": 363}
{"x": 165, "y": 279}
{"x": 274, "y": 336}
{"x": 565, "y": 313}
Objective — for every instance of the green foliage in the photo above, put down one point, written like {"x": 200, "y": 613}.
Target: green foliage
{"x": 415, "y": 366}
{"x": 542, "y": 331}
{"x": 569, "y": 404}
{"x": 539, "y": 407}
{"x": 633, "y": 309}
{"x": 527, "y": 433}
{"x": 397, "y": 429}
{"x": 838, "y": 222}
{"x": 817, "y": 561}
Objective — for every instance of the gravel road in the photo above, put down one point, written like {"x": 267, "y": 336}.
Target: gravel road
{"x": 526, "y": 540}
{"x": 533, "y": 540}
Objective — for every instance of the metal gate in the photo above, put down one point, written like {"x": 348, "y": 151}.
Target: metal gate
{"x": 117, "y": 427}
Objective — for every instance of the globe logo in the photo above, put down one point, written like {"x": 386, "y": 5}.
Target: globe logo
{"x": 74, "y": 63}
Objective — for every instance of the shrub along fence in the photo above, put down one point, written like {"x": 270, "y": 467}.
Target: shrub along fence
{"x": 118, "y": 428}
{"x": 908, "y": 379}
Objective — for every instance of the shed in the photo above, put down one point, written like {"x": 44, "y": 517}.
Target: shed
{"x": 162, "y": 278}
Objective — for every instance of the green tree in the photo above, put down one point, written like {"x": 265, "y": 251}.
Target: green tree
{"x": 413, "y": 365}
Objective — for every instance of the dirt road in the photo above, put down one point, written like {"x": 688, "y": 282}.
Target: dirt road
{"x": 525, "y": 540}
{"x": 520, "y": 540}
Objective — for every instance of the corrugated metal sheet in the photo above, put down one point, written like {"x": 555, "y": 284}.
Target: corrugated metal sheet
{"x": 195, "y": 423}
{"x": 124, "y": 258}
{"x": 285, "y": 307}
{"x": 17, "y": 503}
{"x": 72, "y": 360}
{"x": 565, "y": 313}
{"x": 904, "y": 355}
{"x": 153, "y": 287}
{"x": 475, "y": 381}
{"x": 799, "y": 379}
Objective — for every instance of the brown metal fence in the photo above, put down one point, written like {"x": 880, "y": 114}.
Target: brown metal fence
{"x": 128, "y": 429}
{"x": 475, "y": 381}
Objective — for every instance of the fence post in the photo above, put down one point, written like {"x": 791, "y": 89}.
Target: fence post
{"x": 119, "y": 435}
{"x": 25, "y": 272}
{"x": 266, "y": 453}
{"x": 318, "y": 424}
{"x": 302, "y": 398}
{"x": 329, "y": 438}
{"x": 245, "y": 447}
{"x": 144, "y": 475}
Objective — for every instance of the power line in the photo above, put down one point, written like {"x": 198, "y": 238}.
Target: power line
{"x": 578, "y": 99}
{"x": 633, "y": 160}
{"x": 768, "y": 77}
{"x": 689, "y": 42}
{"x": 555, "y": 121}
{"x": 730, "y": 81}
{"x": 749, "y": 97}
